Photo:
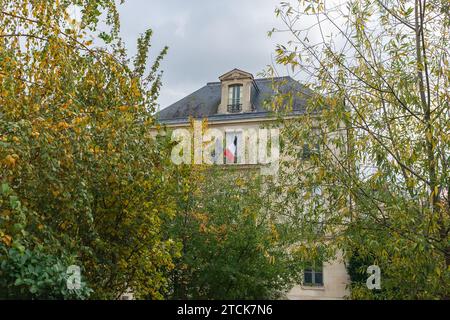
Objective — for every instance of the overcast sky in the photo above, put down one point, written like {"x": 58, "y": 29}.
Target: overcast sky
{"x": 206, "y": 38}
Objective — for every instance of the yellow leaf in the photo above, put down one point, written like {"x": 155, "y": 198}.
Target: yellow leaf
{"x": 7, "y": 240}
{"x": 10, "y": 161}
{"x": 63, "y": 125}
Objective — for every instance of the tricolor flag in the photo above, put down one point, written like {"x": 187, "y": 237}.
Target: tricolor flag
{"x": 231, "y": 151}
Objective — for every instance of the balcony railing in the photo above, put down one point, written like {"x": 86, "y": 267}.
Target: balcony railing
{"x": 234, "y": 108}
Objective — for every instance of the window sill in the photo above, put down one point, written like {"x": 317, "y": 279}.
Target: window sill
{"x": 316, "y": 288}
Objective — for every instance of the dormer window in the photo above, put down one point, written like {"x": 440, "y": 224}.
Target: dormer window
{"x": 237, "y": 88}
{"x": 235, "y": 98}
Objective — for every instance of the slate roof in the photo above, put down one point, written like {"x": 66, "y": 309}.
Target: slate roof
{"x": 204, "y": 102}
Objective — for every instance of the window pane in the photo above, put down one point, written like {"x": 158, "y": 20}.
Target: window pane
{"x": 234, "y": 94}
{"x": 237, "y": 96}
{"x": 313, "y": 274}
{"x": 307, "y": 277}
{"x": 318, "y": 278}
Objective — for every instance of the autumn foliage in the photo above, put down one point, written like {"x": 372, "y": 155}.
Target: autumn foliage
{"x": 82, "y": 178}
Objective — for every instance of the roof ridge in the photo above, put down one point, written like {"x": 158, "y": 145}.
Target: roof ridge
{"x": 257, "y": 79}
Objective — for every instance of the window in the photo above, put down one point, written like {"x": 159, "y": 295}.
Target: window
{"x": 233, "y": 147}
{"x": 217, "y": 152}
{"x": 313, "y": 275}
{"x": 235, "y": 98}
{"x": 307, "y": 152}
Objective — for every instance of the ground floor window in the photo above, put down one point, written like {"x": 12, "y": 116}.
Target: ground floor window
{"x": 313, "y": 275}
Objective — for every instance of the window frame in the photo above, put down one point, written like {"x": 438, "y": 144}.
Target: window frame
{"x": 313, "y": 270}
{"x": 240, "y": 150}
{"x": 235, "y": 97}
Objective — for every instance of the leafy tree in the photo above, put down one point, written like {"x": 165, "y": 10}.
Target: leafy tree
{"x": 34, "y": 264}
{"x": 232, "y": 246}
{"x": 78, "y": 155}
{"x": 379, "y": 111}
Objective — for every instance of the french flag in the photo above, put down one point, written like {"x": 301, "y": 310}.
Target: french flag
{"x": 231, "y": 151}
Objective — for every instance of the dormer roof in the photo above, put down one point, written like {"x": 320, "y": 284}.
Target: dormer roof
{"x": 235, "y": 74}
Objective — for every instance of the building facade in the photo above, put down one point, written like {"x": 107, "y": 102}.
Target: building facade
{"x": 239, "y": 106}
